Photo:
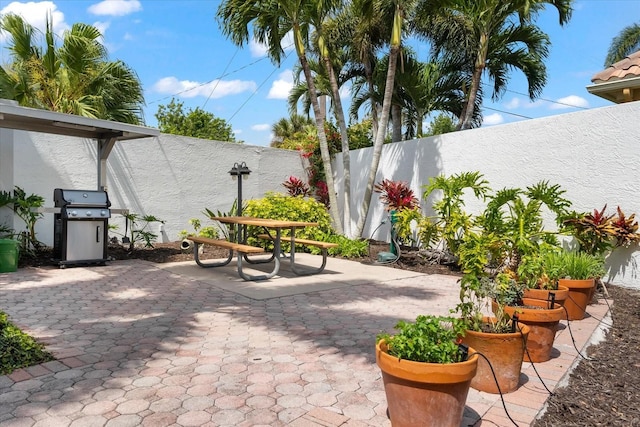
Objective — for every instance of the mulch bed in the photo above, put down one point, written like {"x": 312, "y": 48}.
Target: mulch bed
{"x": 602, "y": 391}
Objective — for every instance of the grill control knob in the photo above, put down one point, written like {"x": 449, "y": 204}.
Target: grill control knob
{"x": 103, "y": 213}
{"x": 74, "y": 213}
{"x": 88, "y": 213}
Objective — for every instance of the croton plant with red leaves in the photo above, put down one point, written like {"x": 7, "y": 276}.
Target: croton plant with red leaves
{"x": 396, "y": 195}
{"x": 296, "y": 187}
{"x": 598, "y": 232}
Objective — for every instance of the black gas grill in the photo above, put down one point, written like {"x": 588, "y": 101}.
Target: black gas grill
{"x": 80, "y": 226}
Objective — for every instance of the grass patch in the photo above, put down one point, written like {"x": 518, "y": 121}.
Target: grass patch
{"x": 17, "y": 349}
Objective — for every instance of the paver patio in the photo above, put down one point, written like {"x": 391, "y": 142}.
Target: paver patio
{"x": 177, "y": 345}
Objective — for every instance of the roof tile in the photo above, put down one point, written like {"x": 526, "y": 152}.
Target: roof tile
{"x": 627, "y": 68}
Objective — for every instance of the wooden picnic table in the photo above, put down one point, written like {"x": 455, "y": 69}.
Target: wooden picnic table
{"x": 273, "y": 229}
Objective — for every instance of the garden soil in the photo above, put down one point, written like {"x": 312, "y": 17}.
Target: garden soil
{"x": 602, "y": 391}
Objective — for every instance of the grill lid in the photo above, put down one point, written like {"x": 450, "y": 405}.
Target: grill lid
{"x": 87, "y": 198}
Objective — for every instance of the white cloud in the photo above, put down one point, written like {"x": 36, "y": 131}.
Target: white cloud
{"x": 261, "y": 127}
{"x": 513, "y": 104}
{"x": 35, "y": 13}
{"x": 237, "y": 131}
{"x": 535, "y": 104}
{"x": 345, "y": 92}
{"x": 570, "y": 102}
{"x": 492, "y": 119}
{"x": 214, "y": 89}
{"x": 115, "y": 7}
{"x": 127, "y": 36}
{"x": 280, "y": 88}
{"x": 257, "y": 49}
{"x": 102, "y": 26}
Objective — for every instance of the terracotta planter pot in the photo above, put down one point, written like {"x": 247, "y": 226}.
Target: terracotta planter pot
{"x": 505, "y": 352}
{"x": 543, "y": 325}
{"x": 562, "y": 293}
{"x": 428, "y": 394}
{"x": 580, "y": 294}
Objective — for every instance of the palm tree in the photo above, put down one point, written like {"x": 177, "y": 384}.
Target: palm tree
{"x": 74, "y": 78}
{"x": 624, "y": 44}
{"x": 494, "y": 36}
{"x": 286, "y": 128}
{"x": 428, "y": 87}
{"x": 400, "y": 8}
{"x": 271, "y": 21}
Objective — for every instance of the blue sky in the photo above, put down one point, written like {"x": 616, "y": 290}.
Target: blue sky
{"x": 178, "y": 50}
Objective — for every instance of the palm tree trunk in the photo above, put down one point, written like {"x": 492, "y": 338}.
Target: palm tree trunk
{"x": 396, "y": 120}
{"x": 346, "y": 161}
{"x": 379, "y": 141}
{"x": 372, "y": 100}
{"x": 324, "y": 146}
{"x": 467, "y": 112}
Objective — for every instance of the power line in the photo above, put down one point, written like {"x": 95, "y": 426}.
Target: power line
{"x": 255, "y": 91}
{"x": 218, "y": 80}
{"x": 206, "y": 83}
{"x": 544, "y": 99}
{"x": 506, "y": 112}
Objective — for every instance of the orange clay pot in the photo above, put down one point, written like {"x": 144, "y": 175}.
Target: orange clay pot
{"x": 562, "y": 293}
{"x": 543, "y": 325}
{"x": 425, "y": 394}
{"x": 580, "y": 294}
{"x": 505, "y": 351}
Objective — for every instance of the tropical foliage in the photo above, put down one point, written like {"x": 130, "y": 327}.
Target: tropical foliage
{"x": 396, "y": 195}
{"x": 196, "y": 123}
{"x": 624, "y": 44}
{"x": 430, "y": 339}
{"x": 74, "y": 77}
{"x": 361, "y": 44}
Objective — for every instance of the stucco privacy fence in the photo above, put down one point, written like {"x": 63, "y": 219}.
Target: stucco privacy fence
{"x": 592, "y": 154}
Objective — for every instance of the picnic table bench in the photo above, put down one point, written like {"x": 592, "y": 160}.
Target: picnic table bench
{"x": 243, "y": 250}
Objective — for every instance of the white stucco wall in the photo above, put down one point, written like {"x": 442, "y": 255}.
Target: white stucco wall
{"x": 171, "y": 177}
{"x": 592, "y": 154}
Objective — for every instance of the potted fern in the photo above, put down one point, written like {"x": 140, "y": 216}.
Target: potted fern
{"x": 426, "y": 374}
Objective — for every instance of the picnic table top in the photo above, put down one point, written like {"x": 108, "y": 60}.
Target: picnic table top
{"x": 263, "y": 222}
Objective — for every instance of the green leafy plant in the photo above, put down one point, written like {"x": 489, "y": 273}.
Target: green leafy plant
{"x": 404, "y": 218}
{"x": 210, "y": 231}
{"x": 284, "y": 207}
{"x": 138, "y": 230}
{"x": 233, "y": 211}
{"x": 396, "y": 195}
{"x": 480, "y": 284}
{"x": 452, "y": 222}
{"x": 17, "y": 349}
{"x": 517, "y": 217}
{"x": 348, "y": 248}
{"x": 580, "y": 265}
{"x": 24, "y": 207}
{"x": 431, "y": 339}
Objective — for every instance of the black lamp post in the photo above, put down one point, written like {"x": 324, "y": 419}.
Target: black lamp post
{"x": 240, "y": 171}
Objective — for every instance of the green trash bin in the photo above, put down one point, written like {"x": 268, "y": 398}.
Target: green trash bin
{"x": 8, "y": 255}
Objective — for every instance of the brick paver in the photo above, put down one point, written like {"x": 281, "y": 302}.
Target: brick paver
{"x": 140, "y": 345}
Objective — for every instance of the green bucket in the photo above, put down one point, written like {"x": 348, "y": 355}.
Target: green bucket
{"x": 8, "y": 255}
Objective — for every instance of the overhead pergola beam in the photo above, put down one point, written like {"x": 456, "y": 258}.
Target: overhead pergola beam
{"x": 105, "y": 132}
